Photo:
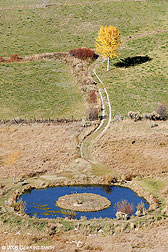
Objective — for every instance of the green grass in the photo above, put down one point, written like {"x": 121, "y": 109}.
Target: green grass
{"x": 66, "y": 24}
{"x": 140, "y": 87}
{"x": 70, "y": 24}
{"x": 39, "y": 89}
{"x": 154, "y": 187}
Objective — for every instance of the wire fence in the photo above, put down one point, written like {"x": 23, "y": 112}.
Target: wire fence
{"x": 119, "y": 117}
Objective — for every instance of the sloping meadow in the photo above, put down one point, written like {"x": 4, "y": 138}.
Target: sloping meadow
{"x": 26, "y": 28}
{"x": 43, "y": 89}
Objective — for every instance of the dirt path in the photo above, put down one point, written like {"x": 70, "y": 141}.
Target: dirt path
{"x": 86, "y": 144}
{"x": 146, "y": 34}
{"x": 107, "y": 101}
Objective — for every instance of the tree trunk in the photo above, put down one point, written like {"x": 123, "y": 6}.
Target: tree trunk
{"x": 108, "y": 64}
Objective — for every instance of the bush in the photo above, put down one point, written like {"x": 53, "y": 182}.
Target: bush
{"x": 134, "y": 115}
{"x": 140, "y": 207}
{"x": 161, "y": 114}
{"x": 83, "y": 53}
{"x": 19, "y": 206}
{"x": 93, "y": 97}
{"x": 2, "y": 59}
{"x": 125, "y": 207}
{"x": 93, "y": 114}
{"x": 162, "y": 111}
{"x": 13, "y": 58}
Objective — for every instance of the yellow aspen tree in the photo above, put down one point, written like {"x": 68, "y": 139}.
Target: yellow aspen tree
{"x": 107, "y": 42}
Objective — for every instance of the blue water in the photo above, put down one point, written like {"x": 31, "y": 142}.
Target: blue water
{"x": 40, "y": 203}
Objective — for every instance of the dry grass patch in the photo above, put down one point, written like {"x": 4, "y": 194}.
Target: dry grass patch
{"x": 41, "y": 148}
{"x": 134, "y": 148}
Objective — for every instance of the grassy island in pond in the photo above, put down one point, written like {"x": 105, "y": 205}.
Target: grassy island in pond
{"x": 83, "y": 202}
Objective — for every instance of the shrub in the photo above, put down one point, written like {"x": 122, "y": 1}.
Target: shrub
{"x": 162, "y": 111}
{"x": 134, "y": 115}
{"x": 93, "y": 97}
{"x": 93, "y": 114}
{"x": 68, "y": 213}
{"x": 13, "y": 58}
{"x": 140, "y": 207}
{"x": 161, "y": 114}
{"x": 19, "y": 206}
{"x": 156, "y": 201}
{"x": 2, "y": 59}
{"x": 125, "y": 207}
{"x": 83, "y": 53}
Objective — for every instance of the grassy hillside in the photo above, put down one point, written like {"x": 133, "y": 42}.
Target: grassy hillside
{"x": 69, "y": 24}
{"x": 39, "y": 89}
{"x": 142, "y": 86}
{"x": 64, "y": 25}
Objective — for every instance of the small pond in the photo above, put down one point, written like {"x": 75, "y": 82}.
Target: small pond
{"x": 41, "y": 203}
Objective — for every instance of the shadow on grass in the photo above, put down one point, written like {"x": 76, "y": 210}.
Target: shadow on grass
{"x": 132, "y": 61}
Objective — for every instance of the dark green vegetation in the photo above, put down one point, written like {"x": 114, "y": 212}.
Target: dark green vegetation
{"x": 64, "y": 25}
{"x": 39, "y": 90}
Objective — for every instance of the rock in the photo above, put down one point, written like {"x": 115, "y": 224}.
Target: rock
{"x": 123, "y": 227}
{"x": 1, "y": 186}
{"x": 51, "y": 228}
{"x": 132, "y": 225}
{"x": 165, "y": 211}
{"x": 10, "y": 202}
{"x": 118, "y": 215}
{"x": 43, "y": 185}
{"x": 154, "y": 125}
{"x": 79, "y": 67}
{"x": 79, "y": 244}
{"x": 2, "y": 192}
{"x": 144, "y": 212}
{"x": 17, "y": 192}
{"x": 138, "y": 213}
{"x": 58, "y": 225}
{"x": 22, "y": 182}
{"x": 136, "y": 116}
{"x": 121, "y": 216}
{"x": 117, "y": 230}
